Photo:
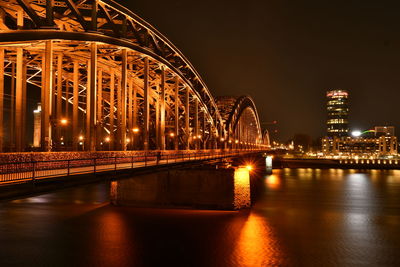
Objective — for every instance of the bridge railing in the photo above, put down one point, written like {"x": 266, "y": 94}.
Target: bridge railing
{"x": 33, "y": 170}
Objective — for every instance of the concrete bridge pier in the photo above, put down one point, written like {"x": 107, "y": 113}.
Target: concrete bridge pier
{"x": 205, "y": 187}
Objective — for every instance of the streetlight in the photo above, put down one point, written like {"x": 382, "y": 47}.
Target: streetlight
{"x": 63, "y": 121}
{"x": 356, "y": 133}
{"x": 135, "y": 130}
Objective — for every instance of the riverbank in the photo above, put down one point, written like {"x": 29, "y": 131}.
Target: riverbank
{"x": 294, "y": 163}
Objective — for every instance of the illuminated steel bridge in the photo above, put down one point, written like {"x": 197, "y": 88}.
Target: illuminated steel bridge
{"x": 108, "y": 81}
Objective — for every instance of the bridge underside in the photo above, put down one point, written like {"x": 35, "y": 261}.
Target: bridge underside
{"x": 105, "y": 80}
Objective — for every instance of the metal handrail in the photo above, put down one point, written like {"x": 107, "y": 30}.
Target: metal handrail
{"x": 32, "y": 170}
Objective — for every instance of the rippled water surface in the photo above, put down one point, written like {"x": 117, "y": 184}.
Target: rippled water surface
{"x": 302, "y": 217}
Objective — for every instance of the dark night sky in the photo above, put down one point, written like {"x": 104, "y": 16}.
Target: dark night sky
{"x": 286, "y": 54}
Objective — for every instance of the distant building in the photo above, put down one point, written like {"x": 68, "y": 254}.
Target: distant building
{"x": 338, "y": 111}
{"x": 384, "y": 130}
{"x": 360, "y": 146}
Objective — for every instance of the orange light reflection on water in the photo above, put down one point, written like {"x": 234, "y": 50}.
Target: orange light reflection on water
{"x": 257, "y": 244}
{"x": 273, "y": 181}
{"x": 113, "y": 246}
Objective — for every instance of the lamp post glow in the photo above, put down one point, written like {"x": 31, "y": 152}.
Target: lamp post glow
{"x": 63, "y": 121}
{"x": 356, "y": 133}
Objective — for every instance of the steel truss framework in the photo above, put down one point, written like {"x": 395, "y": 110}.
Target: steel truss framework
{"x": 114, "y": 81}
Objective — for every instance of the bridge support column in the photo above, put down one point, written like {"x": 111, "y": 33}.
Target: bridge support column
{"x": 146, "y": 107}
{"x": 162, "y": 112}
{"x": 203, "y": 127}
{"x": 75, "y": 110}
{"x": 59, "y": 99}
{"x": 91, "y": 95}
{"x": 12, "y": 107}
{"x": 187, "y": 117}
{"x": 112, "y": 109}
{"x": 135, "y": 135}
{"x": 1, "y": 98}
{"x": 157, "y": 121}
{"x": 47, "y": 88}
{"x": 122, "y": 132}
{"x": 130, "y": 144}
{"x": 19, "y": 134}
{"x": 100, "y": 110}
{"x": 196, "y": 124}
{"x": 176, "y": 134}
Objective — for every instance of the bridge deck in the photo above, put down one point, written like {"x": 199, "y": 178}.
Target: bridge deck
{"x": 18, "y": 172}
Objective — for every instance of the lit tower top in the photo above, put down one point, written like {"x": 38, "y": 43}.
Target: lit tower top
{"x": 338, "y": 112}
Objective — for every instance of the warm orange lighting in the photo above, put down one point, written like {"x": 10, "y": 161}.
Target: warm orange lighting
{"x": 128, "y": 140}
{"x": 249, "y": 167}
{"x": 257, "y": 244}
{"x": 171, "y": 134}
{"x": 241, "y": 188}
{"x": 199, "y": 136}
{"x": 107, "y": 139}
{"x": 273, "y": 182}
{"x": 64, "y": 121}
{"x": 230, "y": 141}
{"x": 236, "y": 141}
{"x": 135, "y": 130}
{"x": 81, "y": 137}
{"x": 194, "y": 137}
{"x": 222, "y": 139}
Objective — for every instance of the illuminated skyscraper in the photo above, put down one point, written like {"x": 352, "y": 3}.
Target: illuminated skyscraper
{"x": 338, "y": 111}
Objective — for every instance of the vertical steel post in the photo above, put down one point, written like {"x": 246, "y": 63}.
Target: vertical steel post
{"x": 12, "y": 107}
{"x": 135, "y": 136}
{"x": 49, "y": 12}
{"x": 176, "y": 106}
{"x": 95, "y": 10}
{"x": 99, "y": 108}
{"x": 112, "y": 108}
{"x": 59, "y": 95}
{"x": 24, "y": 84}
{"x": 18, "y": 100}
{"x": 187, "y": 117}
{"x": 91, "y": 94}
{"x": 162, "y": 111}
{"x": 130, "y": 115}
{"x": 157, "y": 121}
{"x": 203, "y": 134}
{"x": 124, "y": 77}
{"x": 146, "y": 107}
{"x": 47, "y": 88}
{"x": 75, "y": 123}
{"x": 196, "y": 122}
{"x": 1, "y": 98}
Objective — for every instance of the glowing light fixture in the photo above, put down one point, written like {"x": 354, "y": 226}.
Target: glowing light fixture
{"x": 356, "y": 133}
{"x": 64, "y": 121}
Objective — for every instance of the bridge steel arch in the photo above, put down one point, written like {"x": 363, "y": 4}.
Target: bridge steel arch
{"x": 242, "y": 124}
{"x": 108, "y": 81}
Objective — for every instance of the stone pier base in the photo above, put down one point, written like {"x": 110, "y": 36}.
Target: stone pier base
{"x": 203, "y": 188}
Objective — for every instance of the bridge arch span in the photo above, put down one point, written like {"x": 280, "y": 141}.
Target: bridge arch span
{"x": 108, "y": 80}
{"x": 241, "y": 120}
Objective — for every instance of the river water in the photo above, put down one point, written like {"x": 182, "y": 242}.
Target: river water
{"x": 302, "y": 217}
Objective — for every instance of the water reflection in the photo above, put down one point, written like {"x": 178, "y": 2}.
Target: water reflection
{"x": 273, "y": 181}
{"x": 257, "y": 244}
{"x": 304, "y": 217}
